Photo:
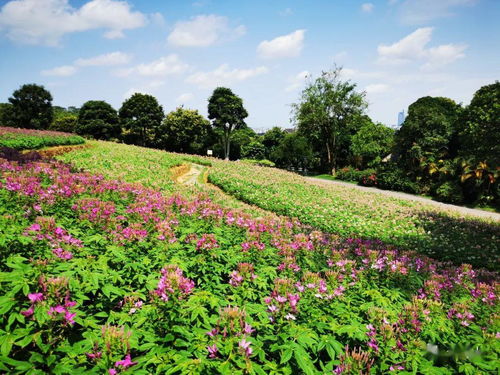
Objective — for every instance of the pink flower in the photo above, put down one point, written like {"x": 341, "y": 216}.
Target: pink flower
{"x": 28, "y": 312}
{"x": 213, "y": 332}
{"x": 248, "y": 329}
{"x": 126, "y": 362}
{"x": 212, "y": 351}
{"x": 112, "y": 371}
{"x": 58, "y": 309}
{"x": 35, "y": 297}
{"x": 69, "y": 317}
{"x": 245, "y": 345}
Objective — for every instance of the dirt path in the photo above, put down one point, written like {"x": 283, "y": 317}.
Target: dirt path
{"x": 192, "y": 176}
{"x": 399, "y": 195}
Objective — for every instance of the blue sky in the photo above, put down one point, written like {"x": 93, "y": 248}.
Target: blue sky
{"x": 179, "y": 51}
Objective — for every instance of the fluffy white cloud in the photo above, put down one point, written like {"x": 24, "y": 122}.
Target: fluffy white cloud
{"x": 367, "y": 7}
{"x": 297, "y": 81}
{"x": 377, "y": 88}
{"x": 289, "y": 45}
{"x": 60, "y": 71}
{"x": 415, "y": 12}
{"x": 203, "y": 31}
{"x": 46, "y": 21}
{"x": 164, "y": 66}
{"x": 147, "y": 88}
{"x": 184, "y": 98}
{"x": 224, "y": 76}
{"x": 413, "y": 48}
{"x": 108, "y": 59}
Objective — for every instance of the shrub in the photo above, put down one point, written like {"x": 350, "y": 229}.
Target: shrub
{"x": 449, "y": 192}
{"x": 390, "y": 177}
{"x": 356, "y": 175}
{"x": 261, "y": 163}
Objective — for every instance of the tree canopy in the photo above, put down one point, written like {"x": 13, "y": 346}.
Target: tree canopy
{"x": 140, "y": 116}
{"x": 31, "y": 107}
{"x": 371, "y": 143}
{"x": 184, "y": 130}
{"x": 98, "y": 119}
{"x": 227, "y": 113}
{"x": 325, "y": 114}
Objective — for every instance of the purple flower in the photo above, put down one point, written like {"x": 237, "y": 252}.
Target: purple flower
{"x": 212, "y": 351}
{"x": 126, "y": 362}
{"x": 112, "y": 371}
{"x": 28, "y": 312}
{"x": 248, "y": 329}
{"x": 35, "y": 297}
{"x": 245, "y": 345}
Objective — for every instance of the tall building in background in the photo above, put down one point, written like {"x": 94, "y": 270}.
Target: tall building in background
{"x": 401, "y": 118}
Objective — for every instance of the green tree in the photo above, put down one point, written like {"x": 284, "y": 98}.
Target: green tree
{"x": 480, "y": 127}
{"x": 293, "y": 151}
{"x": 184, "y": 130}
{"x": 271, "y": 139}
{"x": 254, "y": 150}
{"x": 65, "y": 123}
{"x": 371, "y": 143}
{"x": 98, "y": 119}
{"x": 141, "y": 115}
{"x": 6, "y": 115}
{"x": 31, "y": 107}
{"x": 426, "y": 135}
{"x": 227, "y": 113}
{"x": 325, "y": 114}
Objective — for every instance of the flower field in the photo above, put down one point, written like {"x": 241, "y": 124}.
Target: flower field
{"x": 28, "y": 139}
{"x": 107, "y": 276}
{"x": 335, "y": 209}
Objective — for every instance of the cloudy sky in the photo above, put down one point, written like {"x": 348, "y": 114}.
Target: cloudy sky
{"x": 179, "y": 51}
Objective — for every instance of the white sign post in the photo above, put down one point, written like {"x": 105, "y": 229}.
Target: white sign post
{"x": 209, "y": 152}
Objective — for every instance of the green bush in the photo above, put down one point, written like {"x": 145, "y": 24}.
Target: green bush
{"x": 390, "y": 177}
{"x": 449, "y": 192}
{"x": 261, "y": 163}
{"x": 355, "y": 175}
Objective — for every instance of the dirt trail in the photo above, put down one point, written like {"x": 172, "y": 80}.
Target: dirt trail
{"x": 459, "y": 209}
{"x": 192, "y": 176}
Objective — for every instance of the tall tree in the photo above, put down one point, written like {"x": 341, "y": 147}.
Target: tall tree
{"x": 271, "y": 139}
{"x": 427, "y": 133}
{"x": 227, "y": 113}
{"x": 31, "y": 107}
{"x": 371, "y": 143}
{"x": 98, "y": 119}
{"x": 141, "y": 115}
{"x": 6, "y": 115}
{"x": 480, "y": 127}
{"x": 325, "y": 114}
{"x": 184, "y": 130}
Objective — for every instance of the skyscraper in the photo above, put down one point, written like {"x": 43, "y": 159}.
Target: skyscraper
{"x": 401, "y": 118}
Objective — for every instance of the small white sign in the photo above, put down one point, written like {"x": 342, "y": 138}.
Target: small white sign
{"x": 209, "y": 152}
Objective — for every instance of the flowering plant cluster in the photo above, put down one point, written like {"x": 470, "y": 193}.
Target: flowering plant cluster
{"x": 151, "y": 273}
{"x": 29, "y": 139}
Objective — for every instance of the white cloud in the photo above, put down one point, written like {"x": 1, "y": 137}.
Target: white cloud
{"x": 377, "y": 88}
{"x": 46, "y": 21}
{"x": 60, "y": 71}
{"x": 203, "y": 31}
{"x": 148, "y": 88}
{"x": 224, "y": 76}
{"x": 286, "y": 12}
{"x": 108, "y": 59}
{"x": 297, "y": 81}
{"x": 184, "y": 98}
{"x": 413, "y": 48}
{"x": 289, "y": 45}
{"x": 367, "y": 7}
{"x": 415, "y": 12}
{"x": 167, "y": 65}
{"x": 340, "y": 55}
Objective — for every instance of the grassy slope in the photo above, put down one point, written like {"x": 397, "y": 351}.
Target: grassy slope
{"x": 335, "y": 209}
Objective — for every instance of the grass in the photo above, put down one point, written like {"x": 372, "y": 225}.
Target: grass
{"x": 29, "y": 139}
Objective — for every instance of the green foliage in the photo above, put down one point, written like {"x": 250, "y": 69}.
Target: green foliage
{"x": 140, "y": 116}
{"x": 31, "y": 108}
{"x": 253, "y": 150}
{"x": 391, "y": 177}
{"x": 271, "y": 139}
{"x": 294, "y": 151}
{"x": 6, "y": 116}
{"x": 65, "y": 123}
{"x": 480, "y": 127}
{"x": 97, "y": 119}
{"x": 29, "y": 139}
{"x": 450, "y": 192}
{"x": 326, "y": 114}
{"x": 184, "y": 130}
{"x": 227, "y": 113}
{"x": 353, "y": 174}
{"x": 260, "y": 163}
{"x": 371, "y": 143}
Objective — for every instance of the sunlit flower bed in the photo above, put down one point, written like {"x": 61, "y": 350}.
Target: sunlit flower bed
{"x": 29, "y": 139}
{"x": 346, "y": 211}
{"x": 105, "y": 277}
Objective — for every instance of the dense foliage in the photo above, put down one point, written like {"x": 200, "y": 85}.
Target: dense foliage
{"x": 97, "y": 119}
{"x": 101, "y": 276}
{"x": 31, "y": 108}
{"x": 140, "y": 117}
{"x": 29, "y": 139}
{"x": 227, "y": 113}
{"x": 336, "y": 209}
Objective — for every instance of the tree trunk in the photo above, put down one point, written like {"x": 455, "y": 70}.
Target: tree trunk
{"x": 226, "y": 145}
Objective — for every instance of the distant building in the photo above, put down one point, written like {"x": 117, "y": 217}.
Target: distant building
{"x": 401, "y": 118}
